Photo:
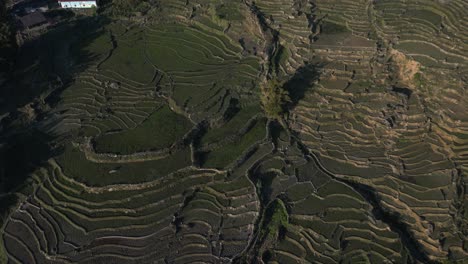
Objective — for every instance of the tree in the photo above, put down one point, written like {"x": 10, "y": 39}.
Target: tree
{"x": 7, "y": 40}
{"x": 131, "y": 7}
{"x": 5, "y": 33}
{"x": 274, "y": 98}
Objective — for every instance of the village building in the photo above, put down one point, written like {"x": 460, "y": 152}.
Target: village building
{"x": 78, "y": 3}
{"x": 33, "y": 20}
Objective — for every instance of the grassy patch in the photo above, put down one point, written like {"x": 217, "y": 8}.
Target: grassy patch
{"x": 421, "y": 48}
{"x": 129, "y": 60}
{"x": 7, "y": 40}
{"x": 426, "y": 15}
{"x": 160, "y": 130}
{"x": 232, "y": 126}
{"x": 276, "y": 217}
{"x": 204, "y": 66}
{"x": 221, "y": 157}
{"x": 96, "y": 44}
{"x": 229, "y": 11}
{"x": 333, "y": 28}
{"x": 76, "y": 166}
{"x": 128, "y": 7}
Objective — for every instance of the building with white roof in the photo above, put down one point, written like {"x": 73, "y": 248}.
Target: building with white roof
{"x": 78, "y": 3}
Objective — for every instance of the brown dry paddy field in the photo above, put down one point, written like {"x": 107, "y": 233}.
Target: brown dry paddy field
{"x": 161, "y": 151}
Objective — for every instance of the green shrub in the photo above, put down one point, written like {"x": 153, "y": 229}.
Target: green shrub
{"x": 329, "y": 27}
{"x": 276, "y": 217}
{"x": 7, "y": 40}
{"x": 130, "y": 7}
{"x": 274, "y": 98}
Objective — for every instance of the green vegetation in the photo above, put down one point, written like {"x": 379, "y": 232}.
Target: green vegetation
{"x": 274, "y": 98}
{"x": 276, "y": 218}
{"x": 301, "y": 171}
{"x": 278, "y": 59}
{"x": 130, "y": 7}
{"x": 95, "y": 45}
{"x": 128, "y": 60}
{"x": 426, "y": 15}
{"x": 329, "y": 27}
{"x": 5, "y": 29}
{"x": 229, "y": 152}
{"x": 231, "y": 127}
{"x": 162, "y": 129}
{"x": 3, "y": 255}
{"x": 419, "y": 80}
{"x": 7, "y": 40}
{"x": 229, "y": 11}
{"x": 17, "y": 148}
{"x": 76, "y": 166}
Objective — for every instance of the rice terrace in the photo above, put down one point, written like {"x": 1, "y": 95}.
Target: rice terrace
{"x": 233, "y": 131}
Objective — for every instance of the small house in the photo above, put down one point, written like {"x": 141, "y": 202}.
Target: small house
{"x": 78, "y": 3}
{"x": 33, "y": 20}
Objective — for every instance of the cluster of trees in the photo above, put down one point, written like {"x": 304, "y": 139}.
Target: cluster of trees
{"x": 131, "y": 7}
{"x": 274, "y": 98}
{"x": 7, "y": 39}
{"x": 4, "y": 29}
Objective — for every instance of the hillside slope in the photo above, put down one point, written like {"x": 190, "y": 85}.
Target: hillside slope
{"x": 162, "y": 152}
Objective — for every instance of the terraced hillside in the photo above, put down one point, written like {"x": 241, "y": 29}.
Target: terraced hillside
{"x": 165, "y": 153}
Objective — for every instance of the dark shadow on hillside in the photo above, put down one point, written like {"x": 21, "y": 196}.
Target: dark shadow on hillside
{"x": 49, "y": 62}
{"x": 20, "y": 156}
{"x": 394, "y": 221}
{"x": 303, "y": 80}
{"x": 44, "y": 67}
